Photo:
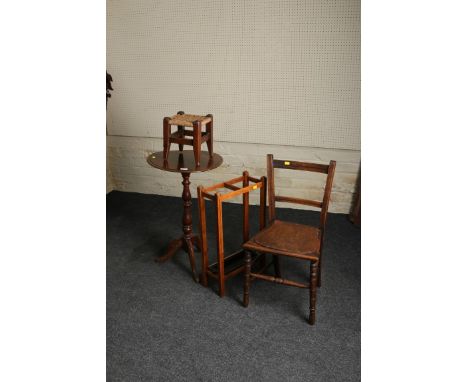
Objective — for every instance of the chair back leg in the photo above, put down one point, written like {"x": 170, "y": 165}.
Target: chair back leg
{"x": 276, "y": 265}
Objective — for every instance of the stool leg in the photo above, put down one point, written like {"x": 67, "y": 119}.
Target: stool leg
{"x": 197, "y": 142}
{"x": 180, "y": 129}
{"x": 166, "y": 134}
{"x": 209, "y": 130}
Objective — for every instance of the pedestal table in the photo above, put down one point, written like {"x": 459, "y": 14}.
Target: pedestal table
{"x": 184, "y": 163}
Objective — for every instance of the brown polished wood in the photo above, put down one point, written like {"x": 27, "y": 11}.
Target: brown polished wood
{"x": 281, "y": 238}
{"x": 231, "y": 265}
{"x": 196, "y": 136}
{"x": 184, "y": 163}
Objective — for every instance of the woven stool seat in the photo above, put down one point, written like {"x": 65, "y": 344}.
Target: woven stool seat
{"x": 187, "y": 120}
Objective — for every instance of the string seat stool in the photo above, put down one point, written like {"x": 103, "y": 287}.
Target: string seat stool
{"x": 182, "y": 136}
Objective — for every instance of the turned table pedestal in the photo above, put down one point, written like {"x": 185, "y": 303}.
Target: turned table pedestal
{"x": 184, "y": 163}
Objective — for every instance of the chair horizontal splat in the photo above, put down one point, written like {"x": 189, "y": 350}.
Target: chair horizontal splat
{"x": 289, "y": 199}
{"x": 279, "y": 280}
{"x": 303, "y": 166}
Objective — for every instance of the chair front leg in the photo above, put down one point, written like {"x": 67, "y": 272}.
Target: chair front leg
{"x": 313, "y": 291}
{"x": 248, "y": 265}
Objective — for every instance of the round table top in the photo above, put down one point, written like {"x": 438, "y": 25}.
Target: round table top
{"x": 184, "y": 161}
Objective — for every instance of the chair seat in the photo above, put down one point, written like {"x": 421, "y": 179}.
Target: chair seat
{"x": 187, "y": 120}
{"x": 289, "y": 239}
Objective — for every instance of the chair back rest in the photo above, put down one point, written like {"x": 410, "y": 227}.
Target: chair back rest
{"x": 302, "y": 166}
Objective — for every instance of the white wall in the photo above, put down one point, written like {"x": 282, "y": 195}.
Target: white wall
{"x": 283, "y": 74}
{"x": 131, "y": 172}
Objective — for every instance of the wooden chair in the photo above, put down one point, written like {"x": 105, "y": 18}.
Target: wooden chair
{"x": 229, "y": 266}
{"x": 282, "y": 238}
{"x": 196, "y": 122}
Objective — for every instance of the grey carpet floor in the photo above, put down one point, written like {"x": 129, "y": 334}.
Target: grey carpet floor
{"x": 162, "y": 326}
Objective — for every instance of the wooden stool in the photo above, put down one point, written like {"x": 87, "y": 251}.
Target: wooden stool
{"x": 196, "y": 122}
{"x": 231, "y": 265}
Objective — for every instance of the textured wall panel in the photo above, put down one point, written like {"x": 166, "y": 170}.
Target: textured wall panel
{"x": 276, "y": 72}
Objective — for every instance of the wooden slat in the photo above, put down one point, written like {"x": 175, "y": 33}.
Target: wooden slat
{"x": 294, "y": 165}
{"x": 233, "y": 263}
{"x": 245, "y": 205}
{"x": 263, "y": 195}
{"x": 255, "y": 180}
{"x": 182, "y": 141}
{"x": 220, "y": 242}
{"x": 231, "y": 187}
{"x": 223, "y": 184}
{"x": 271, "y": 188}
{"x": 181, "y": 133}
{"x": 227, "y": 276}
{"x": 241, "y": 191}
{"x": 235, "y": 180}
{"x": 279, "y": 280}
{"x": 212, "y": 274}
{"x": 208, "y": 196}
{"x": 326, "y": 197}
{"x": 306, "y": 202}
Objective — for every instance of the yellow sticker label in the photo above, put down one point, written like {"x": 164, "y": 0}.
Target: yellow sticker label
{"x": 254, "y": 187}
{"x": 287, "y": 163}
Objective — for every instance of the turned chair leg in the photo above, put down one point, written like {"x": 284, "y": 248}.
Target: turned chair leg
{"x": 276, "y": 265}
{"x": 248, "y": 265}
{"x": 313, "y": 291}
{"x": 166, "y": 134}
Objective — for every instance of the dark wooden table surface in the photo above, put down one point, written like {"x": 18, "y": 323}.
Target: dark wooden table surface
{"x": 184, "y": 163}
